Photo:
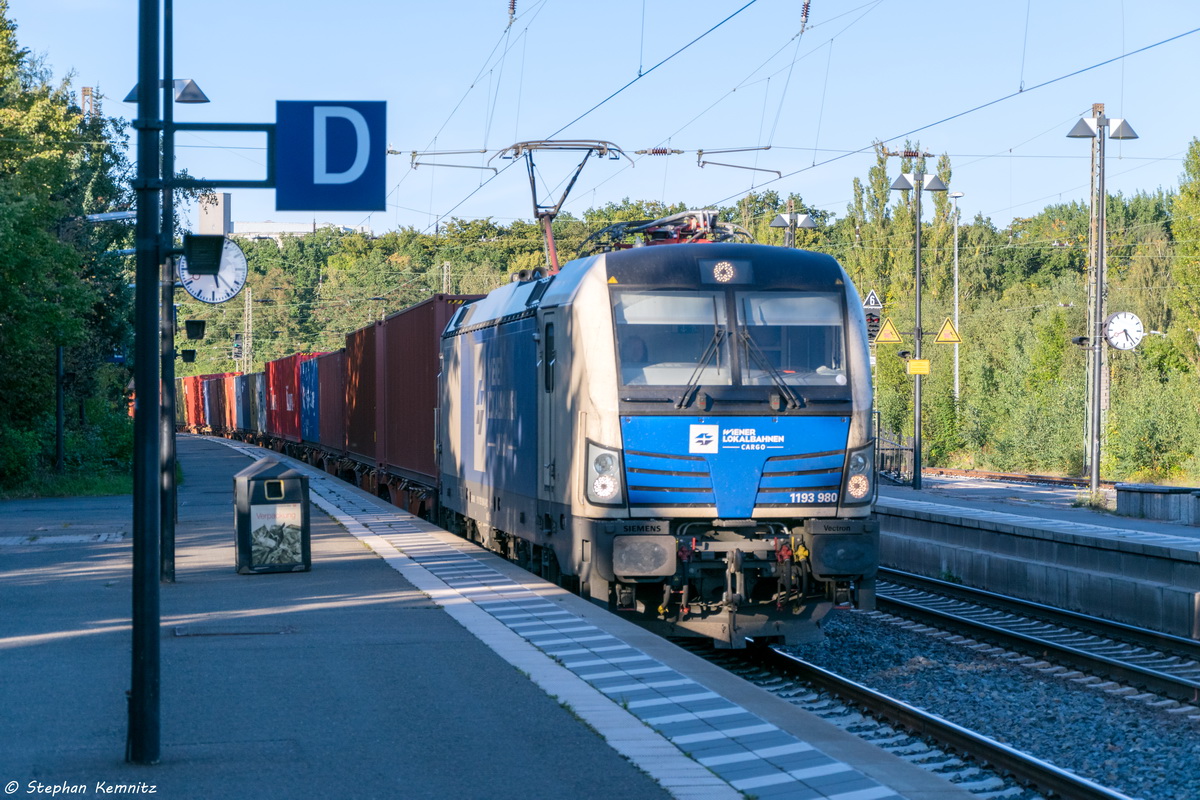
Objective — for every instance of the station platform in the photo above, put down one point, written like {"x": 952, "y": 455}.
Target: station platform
{"x": 1040, "y": 543}
{"x": 407, "y": 663}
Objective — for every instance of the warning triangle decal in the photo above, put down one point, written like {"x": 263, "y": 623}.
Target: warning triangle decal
{"x": 888, "y": 334}
{"x": 948, "y": 334}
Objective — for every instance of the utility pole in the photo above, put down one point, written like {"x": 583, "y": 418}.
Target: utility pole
{"x": 248, "y": 333}
{"x": 917, "y": 182}
{"x": 1094, "y": 128}
{"x": 167, "y": 310}
{"x": 142, "y": 743}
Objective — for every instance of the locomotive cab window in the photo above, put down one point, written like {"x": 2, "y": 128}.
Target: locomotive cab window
{"x": 665, "y": 337}
{"x": 796, "y": 338}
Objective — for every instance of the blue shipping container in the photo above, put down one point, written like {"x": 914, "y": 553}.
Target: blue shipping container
{"x": 310, "y": 402}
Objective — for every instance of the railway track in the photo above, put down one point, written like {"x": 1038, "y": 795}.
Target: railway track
{"x": 1167, "y": 666}
{"x": 1159, "y": 670}
{"x": 1013, "y": 477}
{"x": 971, "y": 761}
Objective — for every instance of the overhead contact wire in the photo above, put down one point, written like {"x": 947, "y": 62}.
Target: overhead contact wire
{"x": 980, "y": 107}
{"x": 656, "y": 66}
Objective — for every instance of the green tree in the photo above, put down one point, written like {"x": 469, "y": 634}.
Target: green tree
{"x": 1185, "y": 274}
{"x": 60, "y": 288}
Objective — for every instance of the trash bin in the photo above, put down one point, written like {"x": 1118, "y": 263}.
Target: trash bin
{"x": 271, "y": 518}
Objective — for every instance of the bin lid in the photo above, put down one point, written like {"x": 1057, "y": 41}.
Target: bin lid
{"x": 269, "y": 469}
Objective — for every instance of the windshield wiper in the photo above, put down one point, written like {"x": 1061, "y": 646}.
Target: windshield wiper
{"x": 714, "y": 345}
{"x": 793, "y": 401}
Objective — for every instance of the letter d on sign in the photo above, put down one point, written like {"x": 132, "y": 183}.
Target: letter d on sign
{"x": 330, "y": 156}
{"x": 362, "y": 136}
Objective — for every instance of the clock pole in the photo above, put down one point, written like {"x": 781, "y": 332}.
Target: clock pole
{"x": 1100, "y": 209}
{"x": 1094, "y": 128}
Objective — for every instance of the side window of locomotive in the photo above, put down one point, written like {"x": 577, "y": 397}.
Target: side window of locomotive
{"x": 800, "y": 336}
{"x": 664, "y": 336}
{"x": 551, "y": 357}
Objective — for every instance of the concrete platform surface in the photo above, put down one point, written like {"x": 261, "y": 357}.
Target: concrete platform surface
{"x": 408, "y": 663}
{"x": 345, "y": 681}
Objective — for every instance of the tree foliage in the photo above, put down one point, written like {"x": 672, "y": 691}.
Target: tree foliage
{"x": 61, "y": 290}
{"x": 1022, "y": 294}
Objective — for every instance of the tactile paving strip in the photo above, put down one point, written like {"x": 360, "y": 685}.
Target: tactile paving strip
{"x": 747, "y": 753}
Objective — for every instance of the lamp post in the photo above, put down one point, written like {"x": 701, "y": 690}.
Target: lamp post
{"x": 792, "y": 220}
{"x": 142, "y": 743}
{"x": 174, "y": 91}
{"x": 954, "y": 196}
{"x": 917, "y": 182}
{"x": 1093, "y": 128}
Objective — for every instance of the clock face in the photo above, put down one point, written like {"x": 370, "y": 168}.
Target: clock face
{"x": 1123, "y": 330}
{"x": 229, "y": 280}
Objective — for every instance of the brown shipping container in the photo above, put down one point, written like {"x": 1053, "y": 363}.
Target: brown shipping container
{"x": 283, "y": 396}
{"x": 331, "y": 376}
{"x": 231, "y": 397}
{"x": 360, "y": 392}
{"x": 411, "y": 343}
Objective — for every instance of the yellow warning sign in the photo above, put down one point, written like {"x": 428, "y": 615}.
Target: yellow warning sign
{"x": 612, "y": 280}
{"x": 917, "y": 366}
{"x": 948, "y": 334}
{"x": 888, "y": 334}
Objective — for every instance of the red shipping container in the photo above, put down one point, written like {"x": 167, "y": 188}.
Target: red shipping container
{"x": 411, "y": 344}
{"x": 194, "y": 402}
{"x": 283, "y": 396}
{"x": 361, "y": 400}
{"x": 331, "y": 377}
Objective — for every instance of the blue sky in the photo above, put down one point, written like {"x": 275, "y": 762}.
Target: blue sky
{"x": 457, "y": 76}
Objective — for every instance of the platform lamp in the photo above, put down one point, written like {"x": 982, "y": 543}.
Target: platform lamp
{"x": 917, "y": 182}
{"x": 792, "y": 220}
{"x": 1093, "y": 128}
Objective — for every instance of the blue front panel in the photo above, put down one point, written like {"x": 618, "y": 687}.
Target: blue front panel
{"x": 734, "y": 463}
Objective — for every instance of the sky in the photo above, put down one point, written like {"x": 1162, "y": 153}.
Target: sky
{"x": 996, "y": 86}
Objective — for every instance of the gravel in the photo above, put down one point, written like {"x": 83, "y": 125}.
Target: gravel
{"x": 1125, "y": 745}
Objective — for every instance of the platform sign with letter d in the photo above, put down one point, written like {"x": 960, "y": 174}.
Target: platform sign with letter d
{"x": 330, "y": 156}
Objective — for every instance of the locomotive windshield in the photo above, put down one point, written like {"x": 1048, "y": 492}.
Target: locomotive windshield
{"x": 682, "y": 338}
{"x": 665, "y": 337}
{"x": 798, "y": 337}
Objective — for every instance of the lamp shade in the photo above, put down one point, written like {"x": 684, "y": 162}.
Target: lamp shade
{"x": 1119, "y": 129}
{"x": 1084, "y": 129}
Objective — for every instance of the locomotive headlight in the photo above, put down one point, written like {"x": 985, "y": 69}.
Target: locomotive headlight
{"x": 605, "y": 463}
{"x": 858, "y": 486}
{"x": 603, "y": 475}
{"x": 604, "y": 487}
{"x": 859, "y": 481}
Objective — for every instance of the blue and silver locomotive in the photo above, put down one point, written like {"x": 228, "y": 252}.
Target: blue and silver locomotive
{"x": 682, "y": 432}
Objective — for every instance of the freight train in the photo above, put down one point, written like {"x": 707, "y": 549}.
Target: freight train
{"x": 680, "y": 432}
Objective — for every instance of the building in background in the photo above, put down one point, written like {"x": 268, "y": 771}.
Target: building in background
{"x": 216, "y": 218}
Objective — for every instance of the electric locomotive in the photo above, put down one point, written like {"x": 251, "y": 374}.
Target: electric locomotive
{"x": 682, "y": 432}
